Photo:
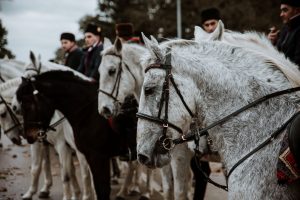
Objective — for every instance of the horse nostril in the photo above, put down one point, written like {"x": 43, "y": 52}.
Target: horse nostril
{"x": 14, "y": 108}
{"x": 106, "y": 111}
{"x": 143, "y": 159}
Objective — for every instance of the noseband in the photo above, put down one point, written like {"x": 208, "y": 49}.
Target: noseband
{"x": 118, "y": 80}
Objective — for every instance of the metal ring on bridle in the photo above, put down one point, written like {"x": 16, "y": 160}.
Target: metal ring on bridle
{"x": 168, "y": 144}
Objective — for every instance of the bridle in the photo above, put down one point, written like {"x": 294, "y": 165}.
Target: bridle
{"x": 42, "y": 132}
{"x": 118, "y": 80}
{"x": 17, "y": 123}
{"x": 168, "y": 143}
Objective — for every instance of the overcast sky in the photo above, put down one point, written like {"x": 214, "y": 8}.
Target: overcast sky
{"x": 37, "y": 24}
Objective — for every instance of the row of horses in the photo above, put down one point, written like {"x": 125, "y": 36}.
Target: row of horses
{"x": 176, "y": 83}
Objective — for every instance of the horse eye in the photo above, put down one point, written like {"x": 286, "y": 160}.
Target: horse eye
{"x": 149, "y": 90}
{"x": 3, "y": 115}
{"x": 112, "y": 72}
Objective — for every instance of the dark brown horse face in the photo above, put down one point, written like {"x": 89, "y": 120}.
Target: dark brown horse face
{"x": 36, "y": 110}
{"x": 37, "y": 114}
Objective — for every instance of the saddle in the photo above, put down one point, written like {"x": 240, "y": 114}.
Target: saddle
{"x": 294, "y": 138}
{"x": 288, "y": 166}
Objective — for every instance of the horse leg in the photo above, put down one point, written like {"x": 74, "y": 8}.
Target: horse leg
{"x": 88, "y": 192}
{"x": 116, "y": 171}
{"x": 147, "y": 194}
{"x": 167, "y": 182}
{"x": 45, "y": 191}
{"x": 100, "y": 168}
{"x": 180, "y": 164}
{"x": 36, "y": 150}
{"x": 67, "y": 170}
{"x": 128, "y": 180}
{"x": 137, "y": 172}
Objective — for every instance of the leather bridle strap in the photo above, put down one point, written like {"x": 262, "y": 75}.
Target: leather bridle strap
{"x": 118, "y": 79}
{"x": 190, "y": 136}
{"x": 15, "y": 119}
{"x": 165, "y": 97}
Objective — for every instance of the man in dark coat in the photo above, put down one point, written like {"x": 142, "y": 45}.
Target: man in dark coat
{"x": 73, "y": 54}
{"x": 125, "y": 32}
{"x": 92, "y": 58}
{"x": 287, "y": 39}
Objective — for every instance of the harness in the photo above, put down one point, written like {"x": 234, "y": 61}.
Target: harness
{"x": 118, "y": 80}
{"x": 166, "y": 143}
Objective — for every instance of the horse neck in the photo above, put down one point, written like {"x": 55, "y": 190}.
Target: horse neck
{"x": 75, "y": 101}
{"x": 262, "y": 47}
{"x": 224, "y": 89}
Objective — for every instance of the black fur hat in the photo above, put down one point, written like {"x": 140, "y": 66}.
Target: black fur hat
{"x": 92, "y": 28}
{"x": 210, "y": 13}
{"x": 67, "y": 36}
{"x": 293, "y": 3}
{"x": 124, "y": 30}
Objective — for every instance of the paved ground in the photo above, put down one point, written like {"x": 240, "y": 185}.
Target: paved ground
{"x": 15, "y": 176}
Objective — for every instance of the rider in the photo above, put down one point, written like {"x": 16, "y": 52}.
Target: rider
{"x": 124, "y": 31}
{"x": 73, "y": 54}
{"x": 287, "y": 39}
{"x": 92, "y": 57}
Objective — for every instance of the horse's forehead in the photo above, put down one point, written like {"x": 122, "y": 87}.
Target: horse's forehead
{"x": 110, "y": 60}
{"x": 154, "y": 76}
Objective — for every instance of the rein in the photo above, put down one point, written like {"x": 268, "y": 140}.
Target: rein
{"x": 168, "y": 143}
{"x": 118, "y": 80}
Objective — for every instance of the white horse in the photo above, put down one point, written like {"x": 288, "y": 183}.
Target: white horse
{"x": 121, "y": 75}
{"x": 59, "y": 138}
{"x": 10, "y": 68}
{"x": 216, "y": 79}
{"x": 255, "y": 42}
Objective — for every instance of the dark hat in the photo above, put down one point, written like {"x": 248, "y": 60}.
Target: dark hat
{"x": 293, "y": 3}
{"x": 92, "y": 28}
{"x": 124, "y": 29}
{"x": 210, "y": 13}
{"x": 67, "y": 36}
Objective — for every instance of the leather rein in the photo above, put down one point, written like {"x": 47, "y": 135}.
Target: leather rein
{"x": 169, "y": 143}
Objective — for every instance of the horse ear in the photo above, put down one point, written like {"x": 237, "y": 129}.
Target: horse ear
{"x": 218, "y": 32}
{"x": 118, "y": 45}
{"x": 153, "y": 39}
{"x": 153, "y": 47}
{"x": 106, "y": 43}
{"x": 200, "y": 34}
{"x": 32, "y": 58}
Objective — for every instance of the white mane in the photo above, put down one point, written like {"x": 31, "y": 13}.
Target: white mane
{"x": 255, "y": 42}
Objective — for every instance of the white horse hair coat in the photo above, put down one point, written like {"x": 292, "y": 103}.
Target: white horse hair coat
{"x": 215, "y": 80}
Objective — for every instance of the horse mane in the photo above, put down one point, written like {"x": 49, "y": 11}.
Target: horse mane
{"x": 59, "y": 75}
{"x": 257, "y": 43}
{"x": 10, "y": 84}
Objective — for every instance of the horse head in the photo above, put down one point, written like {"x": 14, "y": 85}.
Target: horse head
{"x": 120, "y": 76}
{"x": 36, "y": 109}
{"x": 162, "y": 115}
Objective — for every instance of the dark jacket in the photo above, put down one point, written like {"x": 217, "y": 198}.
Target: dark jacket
{"x": 90, "y": 62}
{"x": 289, "y": 40}
{"x": 73, "y": 58}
